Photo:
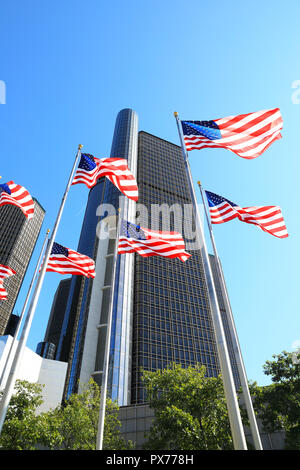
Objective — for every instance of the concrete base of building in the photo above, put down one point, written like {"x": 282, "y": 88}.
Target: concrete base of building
{"x": 137, "y": 421}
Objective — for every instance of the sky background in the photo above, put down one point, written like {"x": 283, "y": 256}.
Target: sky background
{"x": 70, "y": 66}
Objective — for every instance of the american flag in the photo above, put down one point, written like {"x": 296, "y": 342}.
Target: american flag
{"x": 5, "y": 271}
{"x": 134, "y": 238}
{"x": 268, "y": 218}
{"x": 90, "y": 169}
{"x": 247, "y": 135}
{"x": 12, "y": 193}
{"x": 66, "y": 261}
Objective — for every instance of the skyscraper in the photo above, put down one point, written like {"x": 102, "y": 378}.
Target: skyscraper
{"x": 172, "y": 318}
{"x": 47, "y": 348}
{"x": 82, "y": 338}
{"x": 18, "y": 237}
{"x": 161, "y": 306}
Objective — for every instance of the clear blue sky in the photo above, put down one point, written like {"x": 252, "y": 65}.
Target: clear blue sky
{"x": 70, "y": 66}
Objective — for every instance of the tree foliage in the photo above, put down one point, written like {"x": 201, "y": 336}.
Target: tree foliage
{"x": 278, "y": 404}
{"x": 72, "y": 426}
{"x": 190, "y": 410}
{"x": 21, "y": 429}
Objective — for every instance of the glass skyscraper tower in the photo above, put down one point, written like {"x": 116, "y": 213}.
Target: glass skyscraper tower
{"x": 172, "y": 317}
{"x": 84, "y": 328}
{"x": 18, "y": 237}
{"x": 161, "y": 306}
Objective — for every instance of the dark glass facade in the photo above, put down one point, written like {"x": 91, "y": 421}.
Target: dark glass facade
{"x": 46, "y": 350}
{"x": 124, "y": 145}
{"x": 73, "y": 332}
{"x": 172, "y": 317}
{"x": 57, "y": 313}
{"x": 18, "y": 237}
{"x": 12, "y": 325}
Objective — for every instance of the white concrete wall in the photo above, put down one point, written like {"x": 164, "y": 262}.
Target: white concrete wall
{"x": 52, "y": 375}
{"x": 35, "y": 369}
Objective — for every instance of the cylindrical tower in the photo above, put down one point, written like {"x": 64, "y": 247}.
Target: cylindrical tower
{"x": 83, "y": 334}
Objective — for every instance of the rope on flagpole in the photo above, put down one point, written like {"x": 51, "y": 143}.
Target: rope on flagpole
{"x": 234, "y": 336}
{"x": 238, "y": 436}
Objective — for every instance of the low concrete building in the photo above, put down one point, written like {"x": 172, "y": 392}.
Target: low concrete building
{"x": 34, "y": 368}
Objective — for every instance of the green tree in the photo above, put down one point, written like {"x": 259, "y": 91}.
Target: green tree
{"x": 75, "y": 425}
{"x": 278, "y": 404}
{"x": 21, "y": 429}
{"x": 190, "y": 410}
{"x": 72, "y": 426}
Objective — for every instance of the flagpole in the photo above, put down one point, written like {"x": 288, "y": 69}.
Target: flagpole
{"x": 101, "y": 421}
{"x": 8, "y": 360}
{"x": 237, "y": 430}
{"x": 234, "y": 336}
{"x": 8, "y": 391}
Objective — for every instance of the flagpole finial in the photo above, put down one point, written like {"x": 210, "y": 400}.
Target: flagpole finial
{"x": 80, "y": 146}
{"x": 48, "y": 231}
{"x": 175, "y": 113}
{"x": 199, "y": 184}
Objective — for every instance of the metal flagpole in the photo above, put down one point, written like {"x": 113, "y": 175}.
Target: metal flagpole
{"x": 234, "y": 336}
{"x": 99, "y": 441}
{"x": 27, "y": 324}
{"x": 12, "y": 347}
{"x": 237, "y": 430}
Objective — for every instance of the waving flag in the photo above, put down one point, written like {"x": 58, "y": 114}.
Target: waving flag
{"x": 268, "y": 218}
{"x": 11, "y": 193}
{"x": 134, "y": 238}
{"x": 90, "y": 169}
{"x": 66, "y": 261}
{"x": 5, "y": 271}
{"x": 247, "y": 135}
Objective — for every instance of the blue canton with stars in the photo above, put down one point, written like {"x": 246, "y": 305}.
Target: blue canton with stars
{"x": 4, "y": 187}
{"x": 87, "y": 162}
{"x": 130, "y": 230}
{"x": 215, "y": 200}
{"x": 59, "y": 250}
{"x": 208, "y": 129}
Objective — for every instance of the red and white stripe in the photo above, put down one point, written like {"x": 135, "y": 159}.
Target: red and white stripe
{"x": 89, "y": 178}
{"x": 247, "y": 135}
{"x": 116, "y": 170}
{"x": 19, "y": 197}
{"x": 5, "y": 271}
{"x": 167, "y": 244}
{"x": 268, "y": 218}
{"x": 75, "y": 263}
